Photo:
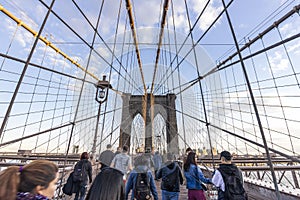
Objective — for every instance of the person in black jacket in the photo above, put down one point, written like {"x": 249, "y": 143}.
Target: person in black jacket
{"x": 171, "y": 177}
{"x": 108, "y": 184}
{"x": 227, "y": 178}
{"x": 86, "y": 166}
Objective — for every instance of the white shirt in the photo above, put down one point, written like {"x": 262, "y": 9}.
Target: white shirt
{"x": 218, "y": 181}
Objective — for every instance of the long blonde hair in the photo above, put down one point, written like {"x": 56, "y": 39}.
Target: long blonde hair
{"x": 25, "y": 179}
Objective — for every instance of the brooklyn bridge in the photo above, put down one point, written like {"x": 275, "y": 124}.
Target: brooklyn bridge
{"x": 165, "y": 75}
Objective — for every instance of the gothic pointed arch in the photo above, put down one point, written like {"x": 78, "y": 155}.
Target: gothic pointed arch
{"x": 163, "y": 105}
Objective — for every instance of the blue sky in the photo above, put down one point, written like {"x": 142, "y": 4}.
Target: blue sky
{"x": 249, "y": 18}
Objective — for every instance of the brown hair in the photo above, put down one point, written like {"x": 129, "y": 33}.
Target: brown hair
{"x": 125, "y": 148}
{"x": 189, "y": 160}
{"x": 84, "y": 155}
{"x": 25, "y": 179}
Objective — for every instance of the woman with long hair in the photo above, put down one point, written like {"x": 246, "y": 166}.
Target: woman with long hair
{"x": 194, "y": 178}
{"x": 36, "y": 180}
{"x": 108, "y": 184}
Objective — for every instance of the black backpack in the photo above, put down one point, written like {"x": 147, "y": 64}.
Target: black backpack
{"x": 170, "y": 180}
{"x": 142, "y": 187}
{"x": 234, "y": 189}
{"x": 79, "y": 172}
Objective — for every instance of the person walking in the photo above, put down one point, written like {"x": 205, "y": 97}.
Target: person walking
{"x": 141, "y": 181}
{"x": 122, "y": 162}
{"x": 83, "y": 168}
{"x": 187, "y": 151}
{"x": 157, "y": 161}
{"x": 35, "y": 181}
{"x": 171, "y": 176}
{"x": 119, "y": 150}
{"x": 108, "y": 184}
{"x": 106, "y": 157}
{"x": 194, "y": 178}
{"x": 229, "y": 178}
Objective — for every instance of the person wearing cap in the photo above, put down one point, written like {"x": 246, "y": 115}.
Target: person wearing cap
{"x": 226, "y": 167}
{"x": 106, "y": 157}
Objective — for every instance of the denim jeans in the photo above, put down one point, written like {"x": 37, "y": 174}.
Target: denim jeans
{"x": 166, "y": 195}
{"x": 81, "y": 192}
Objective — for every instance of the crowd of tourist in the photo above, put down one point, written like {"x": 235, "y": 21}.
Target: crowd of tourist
{"x": 122, "y": 176}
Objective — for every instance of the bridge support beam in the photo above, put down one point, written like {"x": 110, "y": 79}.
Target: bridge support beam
{"x": 125, "y": 130}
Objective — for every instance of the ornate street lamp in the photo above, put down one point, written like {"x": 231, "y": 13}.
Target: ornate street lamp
{"x": 102, "y": 90}
{"x": 101, "y": 96}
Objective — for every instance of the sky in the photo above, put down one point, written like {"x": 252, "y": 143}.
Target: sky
{"x": 214, "y": 44}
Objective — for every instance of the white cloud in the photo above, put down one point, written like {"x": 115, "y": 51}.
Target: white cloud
{"x": 180, "y": 22}
{"x": 278, "y": 62}
{"x": 290, "y": 28}
{"x": 147, "y": 12}
{"x": 210, "y": 14}
{"x": 295, "y": 48}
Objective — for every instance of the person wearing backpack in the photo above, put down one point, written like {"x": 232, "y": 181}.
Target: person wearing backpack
{"x": 229, "y": 179}
{"x": 194, "y": 178}
{"x": 171, "y": 177}
{"x": 141, "y": 181}
{"x": 82, "y": 172}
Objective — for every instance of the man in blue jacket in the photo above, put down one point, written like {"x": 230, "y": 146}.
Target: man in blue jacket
{"x": 171, "y": 177}
{"x": 141, "y": 167}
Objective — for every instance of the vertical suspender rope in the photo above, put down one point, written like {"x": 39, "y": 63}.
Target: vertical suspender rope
{"x": 200, "y": 86}
{"x": 24, "y": 70}
{"x": 110, "y": 72}
{"x": 118, "y": 80}
{"x": 175, "y": 42}
{"x": 9, "y": 46}
{"x": 254, "y": 103}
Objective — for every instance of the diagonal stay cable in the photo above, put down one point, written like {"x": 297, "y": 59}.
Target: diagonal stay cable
{"x": 18, "y": 86}
{"x": 85, "y": 42}
{"x": 220, "y": 67}
{"x": 197, "y": 42}
{"x": 175, "y": 58}
{"x": 259, "y": 36}
{"x": 43, "y": 39}
{"x": 107, "y": 46}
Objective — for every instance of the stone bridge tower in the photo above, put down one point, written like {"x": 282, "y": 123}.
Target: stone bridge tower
{"x": 160, "y": 104}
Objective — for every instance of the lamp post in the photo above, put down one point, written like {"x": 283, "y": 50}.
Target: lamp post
{"x": 102, "y": 88}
